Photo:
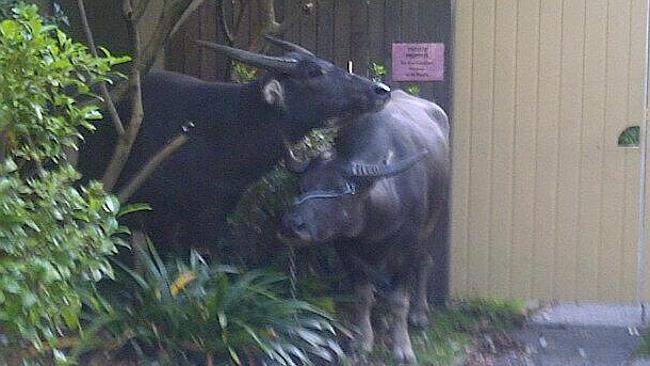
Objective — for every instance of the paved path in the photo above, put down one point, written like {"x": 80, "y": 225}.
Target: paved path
{"x": 579, "y": 335}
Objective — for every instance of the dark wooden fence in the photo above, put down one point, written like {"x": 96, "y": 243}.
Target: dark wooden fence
{"x": 360, "y": 31}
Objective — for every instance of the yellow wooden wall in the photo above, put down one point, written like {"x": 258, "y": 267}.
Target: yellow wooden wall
{"x": 544, "y": 202}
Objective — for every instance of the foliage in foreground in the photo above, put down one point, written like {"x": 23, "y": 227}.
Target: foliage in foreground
{"x": 55, "y": 238}
{"x": 196, "y": 313}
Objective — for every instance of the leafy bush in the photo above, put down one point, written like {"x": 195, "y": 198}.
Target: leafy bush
{"x": 55, "y": 238}
{"x": 413, "y": 89}
{"x": 378, "y": 72}
{"x": 629, "y": 137}
{"x": 187, "y": 313}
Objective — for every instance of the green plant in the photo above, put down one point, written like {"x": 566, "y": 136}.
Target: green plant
{"x": 194, "y": 311}
{"x": 377, "y": 72}
{"x": 243, "y": 73}
{"x": 55, "y": 237}
{"x": 57, "y": 16}
{"x": 413, "y": 89}
{"x": 643, "y": 348}
{"x": 629, "y": 137}
{"x": 499, "y": 313}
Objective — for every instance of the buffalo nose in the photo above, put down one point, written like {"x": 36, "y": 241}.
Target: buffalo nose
{"x": 381, "y": 89}
{"x": 292, "y": 224}
{"x": 298, "y": 223}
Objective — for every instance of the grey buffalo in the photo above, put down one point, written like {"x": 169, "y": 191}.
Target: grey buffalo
{"x": 378, "y": 199}
{"x": 239, "y": 133}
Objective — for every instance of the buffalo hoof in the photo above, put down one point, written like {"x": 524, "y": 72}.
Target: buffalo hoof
{"x": 404, "y": 355}
{"x": 362, "y": 345}
{"x": 418, "y": 319}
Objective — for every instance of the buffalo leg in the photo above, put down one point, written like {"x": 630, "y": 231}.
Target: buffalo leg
{"x": 399, "y": 306}
{"x": 363, "y": 307}
{"x": 419, "y": 305}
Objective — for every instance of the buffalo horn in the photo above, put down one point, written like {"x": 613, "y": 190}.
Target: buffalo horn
{"x": 288, "y": 46}
{"x": 354, "y": 169}
{"x": 282, "y": 64}
{"x": 292, "y": 163}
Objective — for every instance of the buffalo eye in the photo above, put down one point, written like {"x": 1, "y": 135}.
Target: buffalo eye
{"x": 315, "y": 72}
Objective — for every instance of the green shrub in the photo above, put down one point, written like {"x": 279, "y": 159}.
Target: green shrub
{"x": 378, "y": 72}
{"x": 629, "y": 137}
{"x": 55, "y": 237}
{"x": 188, "y": 313}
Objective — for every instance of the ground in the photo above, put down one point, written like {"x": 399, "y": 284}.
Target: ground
{"x": 573, "y": 334}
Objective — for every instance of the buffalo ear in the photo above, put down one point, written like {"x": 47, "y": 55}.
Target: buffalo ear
{"x": 273, "y": 93}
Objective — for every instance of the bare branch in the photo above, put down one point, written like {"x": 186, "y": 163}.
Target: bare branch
{"x": 288, "y": 24}
{"x": 151, "y": 166}
{"x": 3, "y": 145}
{"x": 240, "y": 15}
{"x": 37, "y": 163}
{"x": 269, "y": 25}
{"x": 117, "y": 121}
{"x": 221, "y": 14}
{"x": 168, "y": 20}
{"x": 125, "y": 141}
{"x": 140, "y": 9}
{"x": 191, "y": 8}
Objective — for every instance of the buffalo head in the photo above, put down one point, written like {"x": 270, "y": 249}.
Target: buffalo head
{"x": 307, "y": 91}
{"x": 333, "y": 198}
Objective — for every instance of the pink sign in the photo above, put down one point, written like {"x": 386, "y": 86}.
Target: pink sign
{"x": 418, "y": 61}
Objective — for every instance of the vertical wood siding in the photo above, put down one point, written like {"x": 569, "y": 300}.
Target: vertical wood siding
{"x": 544, "y": 202}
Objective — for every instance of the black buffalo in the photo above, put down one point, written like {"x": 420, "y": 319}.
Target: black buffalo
{"x": 239, "y": 133}
{"x": 378, "y": 199}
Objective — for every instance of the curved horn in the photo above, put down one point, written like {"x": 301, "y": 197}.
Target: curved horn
{"x": 285, "y": 64}
{"x": 387, "y": 170}
{"x": 292, "y": 163}
{"x": 288, "y": 46}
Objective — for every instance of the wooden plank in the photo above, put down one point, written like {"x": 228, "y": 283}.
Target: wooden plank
{"x": 342, "y": 32}
{"x": 546, "y": 152}
{"x": 393, "y": 33}
{"x": 410, "y": 21}
{"x": 254, "y": 30}
{"x": 208, "y": 17}
{"x": 410, "y": 29}
{"x": 571, "y": 90}
{"x": 325, "y": 37}
{"x": 428, "y": 24}
{"x": 436, "y": 24}
{"x": 461, "y": 150}
{"x": 635, "y": 115}
{"x": 359, "y": 38}
{"x": 590, "y": 194}
{"x": 292, "y": 15}
{"x": 616, "y": 87}
{"x": 175, "y": 51}
{"x": 241, "y": 30}
{"x": 222, "y": 64}
{"x": 502, "y": 163}
{"x": 630, "y": 236}
{"x": 444, "y": 25}
{"x": 191, "y": 52}
{"x": 376, "y": 40}
{"x": 481, "y": 142}
{"x": 525, "y": 145}
{"x": 308, "y": 28}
